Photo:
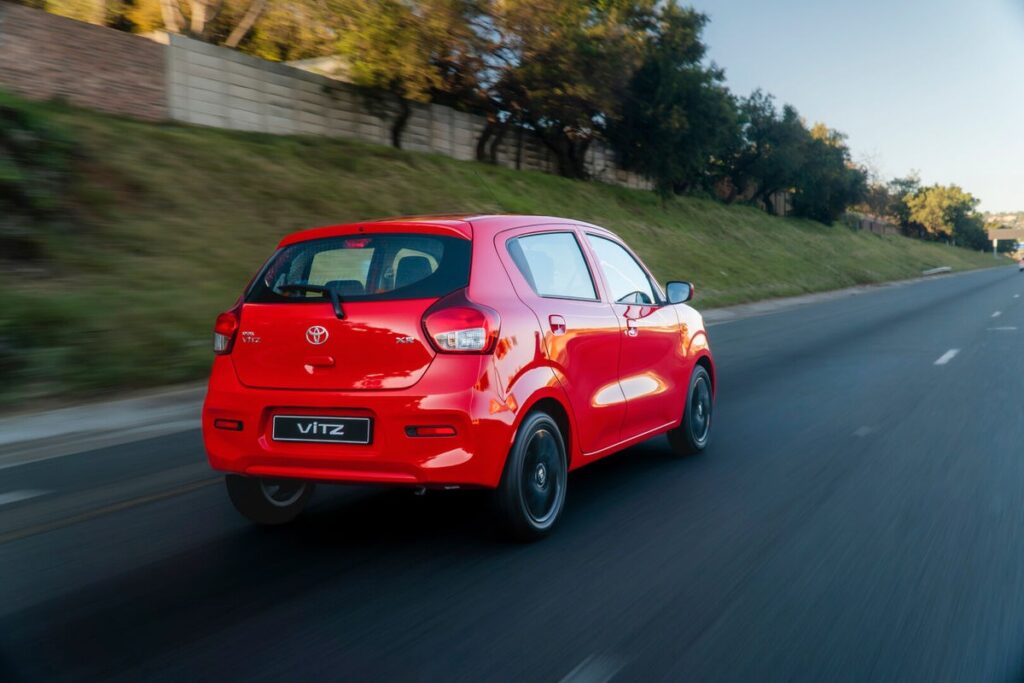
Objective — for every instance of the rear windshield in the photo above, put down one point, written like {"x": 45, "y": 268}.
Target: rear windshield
{"x": 379, "y": 267}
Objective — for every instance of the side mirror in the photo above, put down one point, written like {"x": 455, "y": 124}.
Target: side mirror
{"x": 679, "y": 292}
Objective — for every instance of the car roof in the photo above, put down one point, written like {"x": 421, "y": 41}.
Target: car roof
{"x": 459, "y": 225}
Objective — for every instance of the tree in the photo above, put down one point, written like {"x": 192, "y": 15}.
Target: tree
{"x": 778, "y": 153}
{"x": 827, "y": 181}
{"x": 404, "y": 48}
{"x": 772, "y": 149}
{"x": 947, "y": 212}
{"x": 877, "y": 200}
{"x": 561, "y": 68}
{"x": 222, "y": 22}
{"x": 900, "y": 190}
{"x": 292, "y": 29}
{"x": 92, "y": 11}
{"x": 677, "y": 117}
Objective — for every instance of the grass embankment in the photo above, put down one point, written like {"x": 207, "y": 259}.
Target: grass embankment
{"x": 175, "y": 219}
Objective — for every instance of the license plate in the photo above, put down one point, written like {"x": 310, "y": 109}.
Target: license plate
{"x": 320, "y": 429}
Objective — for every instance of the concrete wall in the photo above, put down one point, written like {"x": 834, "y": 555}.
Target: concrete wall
{"x": 170, "y": 76}
{"x": 43, "y": 56}
{"x": 215, "y": 86}
{"x": 879, "y": 227}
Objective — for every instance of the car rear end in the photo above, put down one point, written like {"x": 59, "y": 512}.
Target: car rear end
{"x": 356, "y": 356}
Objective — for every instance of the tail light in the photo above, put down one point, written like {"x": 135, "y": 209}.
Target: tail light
{"x": 455, "y": 324}
{"x": 225, "y": 329}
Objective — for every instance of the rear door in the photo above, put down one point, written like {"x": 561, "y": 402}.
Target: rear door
{"x": 580, "y": 332}
{"x": 290, "y": 338}
{"x": 652, "y": 357}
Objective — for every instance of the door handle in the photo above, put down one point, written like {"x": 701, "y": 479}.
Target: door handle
{"x": 631, "y": 327}
{"x": 557, "y": 324}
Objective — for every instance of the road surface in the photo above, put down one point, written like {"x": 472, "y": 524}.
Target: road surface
{"x": 858, "y": 516}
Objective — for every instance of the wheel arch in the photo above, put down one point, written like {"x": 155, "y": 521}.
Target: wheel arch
{"x": 704, "y": 360}
{"x": 551, "y": 403}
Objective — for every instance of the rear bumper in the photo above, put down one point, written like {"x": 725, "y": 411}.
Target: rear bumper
{"x": 454, "y": 391}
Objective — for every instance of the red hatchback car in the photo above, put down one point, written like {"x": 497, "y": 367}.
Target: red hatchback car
{"x": 453, "y": 351}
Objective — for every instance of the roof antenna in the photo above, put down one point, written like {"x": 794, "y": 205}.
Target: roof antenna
{"x": 497, "y": 204}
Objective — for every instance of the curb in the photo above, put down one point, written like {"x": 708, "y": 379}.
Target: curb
{"x": 717, "y": 316}
{"x": 41, "y": 435}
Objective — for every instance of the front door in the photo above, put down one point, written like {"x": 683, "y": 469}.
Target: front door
{"x": 651, "y": 357}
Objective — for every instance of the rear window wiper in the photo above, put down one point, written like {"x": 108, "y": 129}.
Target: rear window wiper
{"x": 330, "y": 292}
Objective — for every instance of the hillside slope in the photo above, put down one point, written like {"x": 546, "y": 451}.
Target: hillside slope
{"x": 175, "y": 219}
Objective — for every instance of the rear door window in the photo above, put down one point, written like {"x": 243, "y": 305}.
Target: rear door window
{"x": 553, "y": 265}
{"x": 379, "y": 267}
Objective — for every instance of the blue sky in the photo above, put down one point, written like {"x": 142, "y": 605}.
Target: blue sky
{"x": 932, "y": 85}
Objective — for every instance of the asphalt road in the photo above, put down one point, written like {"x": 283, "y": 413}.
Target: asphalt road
{"x": 858, "y": 516}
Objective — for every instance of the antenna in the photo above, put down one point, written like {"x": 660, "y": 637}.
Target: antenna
{"x": 497, "y": 204}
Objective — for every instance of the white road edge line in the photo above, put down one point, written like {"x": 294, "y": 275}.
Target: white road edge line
{"x": 947, "y": 356}
{"x": 997, "y": 314}
{"x": 15, "y": 496}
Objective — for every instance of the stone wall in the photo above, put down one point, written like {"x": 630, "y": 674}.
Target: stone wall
{"x": 43, "y": 56}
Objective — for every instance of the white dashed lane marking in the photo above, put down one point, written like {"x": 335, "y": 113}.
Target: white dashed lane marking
{"x": 997, "y": 314}
{"x": 1006, "y": 328}
{"x": 595, "y": 669}
{"x": 15, "y": 496}
{"x": 947, "y": 356}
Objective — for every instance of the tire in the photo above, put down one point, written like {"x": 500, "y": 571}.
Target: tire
{"x": 530, "y": 498}
{"x": 694, "y": 432}
{"x": 268, "y": 501}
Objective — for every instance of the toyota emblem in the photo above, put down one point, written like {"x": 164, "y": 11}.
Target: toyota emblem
{"x": 316, "y": 335}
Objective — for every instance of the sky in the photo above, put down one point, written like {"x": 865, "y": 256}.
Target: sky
{"x": 930, "y": 85}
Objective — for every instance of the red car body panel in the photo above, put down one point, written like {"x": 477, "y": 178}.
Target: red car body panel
{"x": 577, "y": 359}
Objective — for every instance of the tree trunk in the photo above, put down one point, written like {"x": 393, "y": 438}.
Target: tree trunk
{"x": 481, "y": 141}
{"x": 252, "y": 14}
{"x": 568, "y": 157}
{"x": 171, "y": 15}
{"x": 404, "y": 112}
{"x": 202, "y": 16}
{"x": 519, "y": 147}
{"x": 564, "y": 150}
{"x": 492, "y": 153}
{"x": 766, "y": 199}
{"x": 200, "y": 9}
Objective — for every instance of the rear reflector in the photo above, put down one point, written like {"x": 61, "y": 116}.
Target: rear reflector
{"x": 430, "y": 430}
{"x": 233, "y": 425}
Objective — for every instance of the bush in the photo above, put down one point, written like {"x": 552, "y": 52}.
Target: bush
{"x": 36, "y": 159}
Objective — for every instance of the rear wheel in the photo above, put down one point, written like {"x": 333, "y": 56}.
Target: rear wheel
{"x": 531, "y": 495}
{"x": 268, "y": 501}
{"x": 694, "y": 432}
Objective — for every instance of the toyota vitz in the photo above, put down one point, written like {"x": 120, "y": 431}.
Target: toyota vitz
{"x": 445, "y": 352}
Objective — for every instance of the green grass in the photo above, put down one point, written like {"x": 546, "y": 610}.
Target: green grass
{"x": 175, "y": 219}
